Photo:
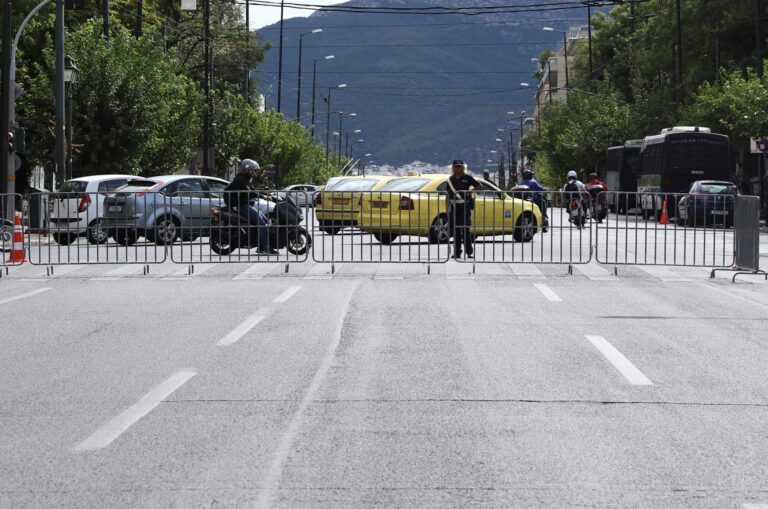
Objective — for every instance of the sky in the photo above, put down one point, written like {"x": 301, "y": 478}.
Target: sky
{"x": 263, "y": 16}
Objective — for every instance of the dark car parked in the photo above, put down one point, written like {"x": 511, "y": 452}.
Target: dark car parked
{"x": 708, "y": 202}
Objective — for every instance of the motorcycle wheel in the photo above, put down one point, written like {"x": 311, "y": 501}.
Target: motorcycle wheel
{"x": 221, "y": 241}
{"x": 298, "y": 241}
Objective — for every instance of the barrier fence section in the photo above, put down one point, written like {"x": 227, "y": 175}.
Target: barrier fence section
{"x": 521, "y": 227}
{"x": 202, "y": 228}
{"x": 96, "y": 228}
{"x": 8, "y": 204}
{"x": 687, "y": 230}
{"x": 391, "y": 226}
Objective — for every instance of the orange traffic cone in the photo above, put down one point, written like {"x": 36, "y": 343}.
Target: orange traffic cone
{"x": 664, "y": 214}
{"x": 17, "y": 252}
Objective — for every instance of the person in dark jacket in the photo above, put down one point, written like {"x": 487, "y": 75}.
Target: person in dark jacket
{"x": 239, "y": 194}
{"x": 459, "y": 204}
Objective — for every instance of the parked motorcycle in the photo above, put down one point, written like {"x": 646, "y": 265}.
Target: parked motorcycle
{"x": 230, "y": 231}
{"x": 524, "y": 192}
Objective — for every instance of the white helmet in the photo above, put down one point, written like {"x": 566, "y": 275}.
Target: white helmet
{"x": 572, "y": 175}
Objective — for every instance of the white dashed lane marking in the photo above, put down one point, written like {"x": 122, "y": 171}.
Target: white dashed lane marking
{"x": 623, "y": 365}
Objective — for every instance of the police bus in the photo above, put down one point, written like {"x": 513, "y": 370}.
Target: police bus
{"x": 622, "y": 166}
{"x": 672, "y": 160}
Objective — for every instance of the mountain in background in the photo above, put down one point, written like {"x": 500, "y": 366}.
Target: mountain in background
{"x": 425, "y": 87}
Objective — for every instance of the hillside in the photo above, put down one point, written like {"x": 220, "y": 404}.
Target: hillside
{"x": 433, "y": 88}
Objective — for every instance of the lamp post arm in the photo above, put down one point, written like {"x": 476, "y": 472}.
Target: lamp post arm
{"x": 16, "y": 39}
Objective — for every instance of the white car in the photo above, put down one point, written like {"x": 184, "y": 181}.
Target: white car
{"x": 77, "y": 208}
{"x": 302, "y": 194}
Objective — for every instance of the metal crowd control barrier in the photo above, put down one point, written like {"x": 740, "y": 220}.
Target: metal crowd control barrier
{"x": 747, "y": 231}
{"x": 201, "y": 228}
{"x": 98, "y": 228}
{"x": 394, "y": 226}
{"x": 522, "y": 227}
{"x": 692, "y": 230}
{"x": 8, "y": 205}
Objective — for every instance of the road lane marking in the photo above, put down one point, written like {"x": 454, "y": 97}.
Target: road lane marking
{"x": 272, "y": 479}
{"x": 243, "y": 329}
{"x": 526, "y": 271}
{"x": 24, "y": 295}
{"x": 117, "y": 426}
{"x": 550, "y": 295}
{"x": 621, "y": 363}
{"x": 283, "y": 297}
{"x": 322, "y": 271}
{"x": 183, "y": 274}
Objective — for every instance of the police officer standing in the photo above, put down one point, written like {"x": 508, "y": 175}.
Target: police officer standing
{"x": 459, "y": 204}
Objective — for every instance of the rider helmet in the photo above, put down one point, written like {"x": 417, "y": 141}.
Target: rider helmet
{"x": 572, "y": 175}
{"x": 248, "y": 165}
{"x": 527, "y": 174}
{"x": 592, "y": 176}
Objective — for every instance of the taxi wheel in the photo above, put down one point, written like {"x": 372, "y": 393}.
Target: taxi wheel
{"x": 439, "y": 230}
{"x": 385, "y": 238}
{"x": 525, "y": 228}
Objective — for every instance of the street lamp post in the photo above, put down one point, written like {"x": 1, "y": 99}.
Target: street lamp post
{"x": 71, "y": 73}
{"x": 328, "y": 122}
{"x": 565, "y": 49}
{"x": 314, "y": 87}
{"x": 280, "y": 59}
{"x": 341, "y": 130}
{"x": 298, "y": 91}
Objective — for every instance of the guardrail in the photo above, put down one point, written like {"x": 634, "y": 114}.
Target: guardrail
{"x": 688, "y": 230}
{"x": 747, "y": 237}
{"x": 203, "y": 229}
{"x": 380, "y": 227}
{"x": 98, "y": 229}
{"x": 522, "y": 227}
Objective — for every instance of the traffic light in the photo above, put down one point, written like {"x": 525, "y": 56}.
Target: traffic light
{"x": 20, "y": 139}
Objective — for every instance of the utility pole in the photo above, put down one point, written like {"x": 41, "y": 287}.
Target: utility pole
{"x": 759, "y": 37}
{"x": 139, "y": 17}
{"x": 207, "y": 87}
{"x": 105, "y": 16}
{"x": 589, "y": 39}
{"x": 247, "y": 91}
{"x": 7, "y": 173}
{"x": 679, "y": 51}
{"x": 328, "y": 127}
{"x": 280, "y": 62}
{"x": 61, "y": 163}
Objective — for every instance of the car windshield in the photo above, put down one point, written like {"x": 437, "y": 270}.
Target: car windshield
{"x": 73, "y": 186}
{"x": 718, "y": 189}
{"x": 137, "y": 185}
{"x": 355, "y": 185}
{"x": 406, "y": 185}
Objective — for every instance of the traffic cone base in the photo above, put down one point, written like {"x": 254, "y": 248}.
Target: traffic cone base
{"x": 664, "y": 215}
{"x": 17, "y": 252}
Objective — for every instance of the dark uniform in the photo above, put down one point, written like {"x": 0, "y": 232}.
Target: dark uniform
{"x": 461, "y": 211}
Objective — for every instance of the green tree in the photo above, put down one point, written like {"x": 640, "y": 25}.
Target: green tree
{"x": 133, "y": 110}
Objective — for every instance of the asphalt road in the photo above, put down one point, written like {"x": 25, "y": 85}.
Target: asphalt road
{"x": 374, "y": 384}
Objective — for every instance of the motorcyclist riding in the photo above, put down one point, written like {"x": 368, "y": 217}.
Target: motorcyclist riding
{"x": 536, "y": 196}
{"x": 240, "y": 194}
{"x": 595, "y": 188}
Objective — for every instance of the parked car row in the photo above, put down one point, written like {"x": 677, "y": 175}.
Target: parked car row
{"x": 160, "y": 209}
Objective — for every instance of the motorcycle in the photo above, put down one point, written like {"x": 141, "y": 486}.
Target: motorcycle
{"x": 524, "y": 192}
{"x": 576, "y": 213}
{"x": 598, "y": 209}
{"x": 230, "y": 231}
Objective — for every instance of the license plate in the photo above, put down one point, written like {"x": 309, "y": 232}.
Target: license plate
{"x": 341, "y": 201}
{"x": 115, "y": 208}
{"x": 720, "y": 212}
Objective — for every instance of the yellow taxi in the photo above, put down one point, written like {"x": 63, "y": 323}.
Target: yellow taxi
{"x": 338, "y": 205}
{"x": 416, "y": 206}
